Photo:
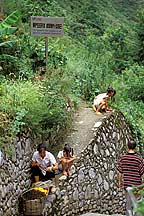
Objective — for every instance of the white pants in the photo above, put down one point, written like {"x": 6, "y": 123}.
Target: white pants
{"x": 129, "y": 207}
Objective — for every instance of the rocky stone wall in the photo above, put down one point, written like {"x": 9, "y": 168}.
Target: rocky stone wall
{"x": 93, "y": 184}
{"x": 15, "y": 175}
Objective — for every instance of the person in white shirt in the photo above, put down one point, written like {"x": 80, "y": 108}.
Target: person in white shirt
{"x": 1, "y": 158}
{"x": 66, "y": 159}
{"x": 44, "y": 165}
{"x": 101, "y": 101}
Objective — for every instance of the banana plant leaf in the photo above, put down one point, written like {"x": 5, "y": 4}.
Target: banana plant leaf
{"x": 8, "y": 31}
{"x": 8, "y": 44}
{"x": 10, "y": 20}
{"x": 8, "y": 58}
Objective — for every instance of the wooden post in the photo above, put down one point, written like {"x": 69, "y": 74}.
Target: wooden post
{"x": 46, "y": 52}
{"x": 1, "y": 10}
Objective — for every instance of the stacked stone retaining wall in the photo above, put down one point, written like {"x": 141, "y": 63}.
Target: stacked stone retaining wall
{"x": 15, "y": 175}
{"x": 93, "y": 184}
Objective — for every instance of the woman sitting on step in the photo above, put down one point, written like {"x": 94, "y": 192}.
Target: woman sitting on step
{"x": 66, "y": 159}
{"x": 101, "y": 101}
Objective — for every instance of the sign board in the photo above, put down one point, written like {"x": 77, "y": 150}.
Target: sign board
{"x": 47, "y": 26}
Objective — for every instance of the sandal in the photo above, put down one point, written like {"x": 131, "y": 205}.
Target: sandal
{"x": 99, "y": 113}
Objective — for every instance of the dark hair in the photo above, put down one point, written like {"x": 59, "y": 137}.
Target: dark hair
{"x": 109, "y": 90}
{"x": 67, "y": 150}
{"x": 40, "y": 146}
{"x": 114, "y": 92}
{"x": 132, "y": 144}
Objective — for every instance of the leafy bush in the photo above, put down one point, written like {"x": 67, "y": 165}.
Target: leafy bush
{"x": 37, "y": 106}
{"x": 140, "y": 203}
{"x": 129, "y": 99}
{"x": 8, "y": 42}
{"x": 102, "y": 46}
{"x": 22, "y": 101}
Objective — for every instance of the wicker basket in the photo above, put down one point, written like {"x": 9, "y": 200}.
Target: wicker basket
{"x": 32, "y": 202}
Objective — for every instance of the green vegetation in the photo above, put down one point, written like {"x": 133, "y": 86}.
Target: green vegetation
{"x": 138, "y": 193}
{"x": 102, "y": 46}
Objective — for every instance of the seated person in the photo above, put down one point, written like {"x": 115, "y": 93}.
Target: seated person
{"x": 65, "y": 159}
{"x": 101, "y": 101}
{"x": 1, "y": 158}
{"x": 44, "y": 166}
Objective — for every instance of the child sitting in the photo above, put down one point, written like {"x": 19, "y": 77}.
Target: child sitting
{"x": 65, "y": 159}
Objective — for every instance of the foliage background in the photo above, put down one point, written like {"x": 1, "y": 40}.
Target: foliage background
{"x": 102, "y": 46}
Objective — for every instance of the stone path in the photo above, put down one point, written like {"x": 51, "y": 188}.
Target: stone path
{"x": 81, "y": 133}
{"x": 95, "y": 214}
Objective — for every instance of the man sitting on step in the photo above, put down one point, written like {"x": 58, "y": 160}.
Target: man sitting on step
{"x": 44, "y": 166}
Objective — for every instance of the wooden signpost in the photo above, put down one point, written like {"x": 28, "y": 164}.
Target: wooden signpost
{"x": 48, "y": 27}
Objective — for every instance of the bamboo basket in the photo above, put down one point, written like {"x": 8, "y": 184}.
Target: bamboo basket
{"x": 32, "y": 202}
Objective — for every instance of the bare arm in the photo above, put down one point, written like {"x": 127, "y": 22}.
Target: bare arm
{"x": 55, "y": 167}
{"x": 34, "y": 163}
{"x": 120, "y": 180}
{"x": 60, "y": 159}
{"x": 72, "y": 158}
{"x": 106, "y": 104}
{"x": 52, "y": 168}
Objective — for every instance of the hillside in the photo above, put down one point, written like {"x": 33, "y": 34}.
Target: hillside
{"x": 102, "y": 46}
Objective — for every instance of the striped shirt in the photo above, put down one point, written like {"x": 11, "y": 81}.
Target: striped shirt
{"x": 132, "y": 168}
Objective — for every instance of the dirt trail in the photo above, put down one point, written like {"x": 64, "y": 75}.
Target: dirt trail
{"x": 81, "y": 132}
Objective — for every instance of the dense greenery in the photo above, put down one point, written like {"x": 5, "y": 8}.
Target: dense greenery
{"x": 102, "y": 46}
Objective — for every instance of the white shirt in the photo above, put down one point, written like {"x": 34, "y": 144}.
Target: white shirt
{"x": 47, "y": 161}
{"x": 99, "y": 98}
{"x": 1, "y": 158}
{"x": 60, "y": 154}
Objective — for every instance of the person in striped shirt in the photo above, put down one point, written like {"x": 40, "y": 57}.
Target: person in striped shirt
{"x": 130, "y": 170}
